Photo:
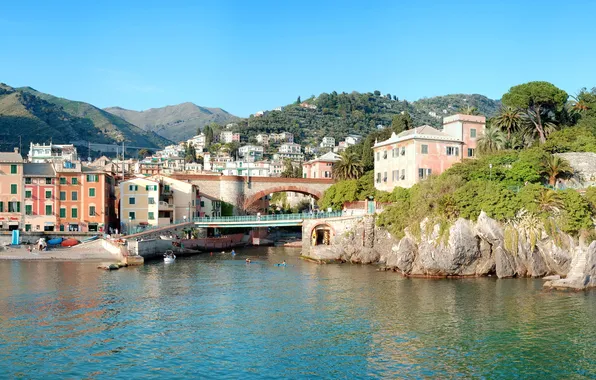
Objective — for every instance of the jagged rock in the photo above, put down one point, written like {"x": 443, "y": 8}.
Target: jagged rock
{"x": 552, "y": 277}
{"x": 504, "y": 263}
{"x": 403, "y": 255}
{"x": 383, "y": 244}
{"x": 489, "y": 229}
{"x": 582, "y": 274}
{"x": 365, "y": 256}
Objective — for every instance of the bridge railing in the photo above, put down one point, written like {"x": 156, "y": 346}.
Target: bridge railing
{"x": 267, "y": 218}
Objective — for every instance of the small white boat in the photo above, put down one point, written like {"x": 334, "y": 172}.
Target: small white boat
{"x": 169, "y": 257}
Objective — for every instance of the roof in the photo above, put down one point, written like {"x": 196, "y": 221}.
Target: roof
{"x": 12, "y": 157}
{"x": 424, "y": 132}
{"x": 38, "y": 170}
{"x": 327, "y": 157}
{"x": 208, "y": 197}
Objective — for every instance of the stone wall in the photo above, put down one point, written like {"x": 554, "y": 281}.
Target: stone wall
{"x": 148, "y": 249}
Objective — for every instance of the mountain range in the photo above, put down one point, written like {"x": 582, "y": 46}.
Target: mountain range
{"x": 176, "y": 123}
{"x": 27, "y": 115}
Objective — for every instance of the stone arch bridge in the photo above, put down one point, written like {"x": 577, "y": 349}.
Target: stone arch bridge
{"x": 240, "y": 190}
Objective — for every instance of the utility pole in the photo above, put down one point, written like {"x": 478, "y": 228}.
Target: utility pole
{"x": 122, "y": 160}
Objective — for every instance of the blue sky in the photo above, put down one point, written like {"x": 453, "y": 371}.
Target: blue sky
{"x": 245, "y": 56}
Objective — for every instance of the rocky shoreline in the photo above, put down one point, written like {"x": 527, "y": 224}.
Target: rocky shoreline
{"x": 466, "y": 249}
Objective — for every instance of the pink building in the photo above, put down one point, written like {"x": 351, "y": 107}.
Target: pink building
{"x": 11, "y": 190}
{"x": 321, "y": 167}
{"x": 413, "y": 155}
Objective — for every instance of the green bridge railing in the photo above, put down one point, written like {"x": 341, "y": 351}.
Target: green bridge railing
{"x": 267, "y": 218}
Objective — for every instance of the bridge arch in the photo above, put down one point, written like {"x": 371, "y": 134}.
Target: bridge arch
{"x": 321, "y": 234}
{"x": 282, "y": 188}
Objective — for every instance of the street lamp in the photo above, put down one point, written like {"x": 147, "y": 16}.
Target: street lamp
{"x": 129, "y": 224}
{"x": 490, "y": 175}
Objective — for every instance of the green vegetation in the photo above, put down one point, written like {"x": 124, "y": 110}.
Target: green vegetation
{"x": 513, "y": 180}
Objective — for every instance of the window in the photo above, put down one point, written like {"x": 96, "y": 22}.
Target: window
{"x": 202, "y": 203}
{"x": 131, "y": 201}
{"x": 48, "y": 194}
{"x": 63, "y": 195}
{"x": 133, "y": 188}
{"x": 394, "y": 153}
{"x": 131, "y": 215}
{"x": 151, "y": 200}
{"x": 74, "y": 196}
{"x": 92, "y": 211}
{"x": 424, "y": 173}
{"x": 403, "y": 174}
{"x": 424, "y": 149}
{"x": 62, "y": 212}
{"x": 385, "y": 155}
{"x": 74, "y": 181}
{"x": 403, "y": 150}
{"x": 92, "y": 178}
{"x": 13, "y": 169}
{"x": 27, "y": 193}
{"x": 151, "y": 187}
{"x": 48, "y": 181}
{"x": 166, "y": 188}
{"x": 378, "y": 177}
{"x": 13, "y": 188}
{"x": 378, "y": 156}
{"x": 473, "y": 133}
{"x": 28, "y": 209}
{"x": 395, "y": 175}
{"x": 27, "y": 227}
{"x": 452, "y": 151}
{"x": 27, "y": 181}
{"x": 92, "y": 192}
{"x": 63, "y": 181}
{"x": 14, "y": 206}
{"x": 151, "y": 215}
{"x": 471, "y": 152}
{"x": 74, "y": 212}
{"x": 48, "y": 209}
{"x": 385, "y": 177}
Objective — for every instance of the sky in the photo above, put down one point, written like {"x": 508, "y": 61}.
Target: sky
{"x": 246, "y": 56}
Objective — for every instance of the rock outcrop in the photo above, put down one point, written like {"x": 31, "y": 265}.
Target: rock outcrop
{"x": 466, "y": 249}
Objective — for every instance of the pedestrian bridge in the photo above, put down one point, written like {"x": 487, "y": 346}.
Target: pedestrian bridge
{"x": 276, "y": 220}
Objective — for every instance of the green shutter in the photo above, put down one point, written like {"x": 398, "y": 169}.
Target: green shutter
{"x": 48, "y": 209}
{"x": 13, "y": 189}
{"x": 63, "y": 213}
{"x": 28, "y": 210}
{"x": 73, "y": 213}
{"x": 1, "y": 206}
{"x": 18, "y": 206}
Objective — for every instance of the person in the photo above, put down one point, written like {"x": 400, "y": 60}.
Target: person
{"x": 283, "y": 263}
{"x": 233, "y": 253}
{"x": 247, "y": 260}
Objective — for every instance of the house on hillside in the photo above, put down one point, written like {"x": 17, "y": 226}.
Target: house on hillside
{"x": 321, "y": 167}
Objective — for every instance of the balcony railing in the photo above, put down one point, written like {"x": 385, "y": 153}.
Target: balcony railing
{"x": 165, "y": 205}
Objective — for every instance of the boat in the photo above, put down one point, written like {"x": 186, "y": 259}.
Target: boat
{"x": 69, "y": 242}
{"x": 163, "y": 237}
{"x": 55, "y": 241}
{"x": 169, "y": 257}
{"x": 92, "y": 238}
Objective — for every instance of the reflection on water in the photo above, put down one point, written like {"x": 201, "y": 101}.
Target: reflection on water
{"x": 216, "y": 316}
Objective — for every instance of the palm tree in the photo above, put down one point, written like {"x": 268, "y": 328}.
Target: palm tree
{"x": 549, "y": 201}
{"x": 492, "y": 140}
{"x": 556, "y": 167}
{"x": 348, "y": 167}
{"x": 509, "y": 119}
{"x": 468, "y": 110}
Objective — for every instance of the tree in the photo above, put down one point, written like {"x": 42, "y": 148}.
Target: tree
{"x": 208, "y": 131}
{"x": 556, "y": 167}
{"x": 492, "y": 140}
{"x": 401, "y": 122}
{"x": 348, "y": 167}
{"x": 468, "y": 110}
{"x": 537, "y": 100}
{"x": 549, "y": 201}
{"x": 509, "y": 119}
{"x": 289, "y": 171}
{"x": 377, "y": 93}
{"x": 298, "y": 101}
{"x": 145, "y": 153}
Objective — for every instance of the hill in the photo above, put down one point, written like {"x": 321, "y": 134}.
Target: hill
{"x": 39, "y": 117}
{"x": 176, "y": 123}
{"x": 338, "y": 115}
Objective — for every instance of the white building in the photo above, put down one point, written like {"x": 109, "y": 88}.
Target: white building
{"x": 251, "y": 153}
{"x": 289, "y": 150}
{"x": 40, "y": 153}
{"x": 328, "y": 142}
{"x": 263, "y": 139}
{"x": 227, "y": 137}
{"x": 281, "y": 137}
{"x": 353, "y": 140}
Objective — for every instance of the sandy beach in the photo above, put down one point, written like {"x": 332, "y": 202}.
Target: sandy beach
{"x": 90, "y": 252}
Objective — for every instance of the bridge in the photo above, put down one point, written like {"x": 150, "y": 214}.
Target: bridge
{"x": 276, "y": 220}
{"x": 243, "y": 191}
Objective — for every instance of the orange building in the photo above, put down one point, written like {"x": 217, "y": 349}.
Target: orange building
{"x": 85, "y": 198}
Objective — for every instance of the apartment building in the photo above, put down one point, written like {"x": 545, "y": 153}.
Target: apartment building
{"x": 141, "y": 206}
{"x": 251, "y": 153}
{"x": 411, "y": 156}
{"x": 40, "y": 197}
{"x": 40, "y": 153}
{"x": 11, "y": 190}
{"x": 263, "y": 139}
{"x": 292, "y": 151}
{"x": 328, "y": 142}
{"x": 321, "y": 167}
{"x": 226, "y": 137}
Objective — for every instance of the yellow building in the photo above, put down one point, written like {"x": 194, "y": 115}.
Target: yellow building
{"x": 139, "y": 204}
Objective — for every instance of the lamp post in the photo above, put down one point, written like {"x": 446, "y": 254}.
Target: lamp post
{"x": 490, "y": 175}
{"x": 129, "y": 225}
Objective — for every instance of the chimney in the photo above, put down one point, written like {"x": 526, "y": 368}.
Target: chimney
{"x": 16, "y": 150}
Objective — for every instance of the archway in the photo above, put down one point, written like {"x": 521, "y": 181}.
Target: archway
{"x": 277, "y": 189}
{"x": 321, "y": 234}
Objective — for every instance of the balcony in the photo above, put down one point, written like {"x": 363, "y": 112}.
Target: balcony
{"x": 165, "y": 206}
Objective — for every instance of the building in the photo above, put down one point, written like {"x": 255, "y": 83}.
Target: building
{"x": 281, "y": 137}
{"x": 227, "y": 137}
{"x": 413, "y": 155}
{"x": 199, "y": 142}
{"x": 141, "y": 206}
{"x": 11, "y": 190}
{"x": 328, "y": 142}
{"x": 249, "y": 169}
{"x": 40, "y": 197}
{"x": 321, "y": 167}
{"x": 40, "y": 153}
{"x": 85, "y": 200}
{"x": 259, "y": 113}
{"x": 182, "y": 195}
{"x": 251, "y": 153}
{"x": 263, "y": 139}
{"x": 308, "y": 106}
{"x": 210, "y": 207}
{"x": 289, "y": 150}
{"x": 352, "y": 140}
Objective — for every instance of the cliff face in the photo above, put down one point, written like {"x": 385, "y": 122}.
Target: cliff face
{"x": 468, "y": 249}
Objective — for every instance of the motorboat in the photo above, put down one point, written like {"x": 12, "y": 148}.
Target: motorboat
{"x": 69, "y": 242}
{"x": 55, "y": 241}
{"x": 169, "y": 257}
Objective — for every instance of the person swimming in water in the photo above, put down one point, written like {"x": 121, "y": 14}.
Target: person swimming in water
{"x": 233, "y": 253}
{"x": 247, "y": 260}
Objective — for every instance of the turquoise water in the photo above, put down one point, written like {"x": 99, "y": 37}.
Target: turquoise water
{"x": 217, "y": 317}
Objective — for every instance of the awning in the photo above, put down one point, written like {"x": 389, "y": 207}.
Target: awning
{"x": 48, "y": 224}
{"x": 13, "y": 223}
